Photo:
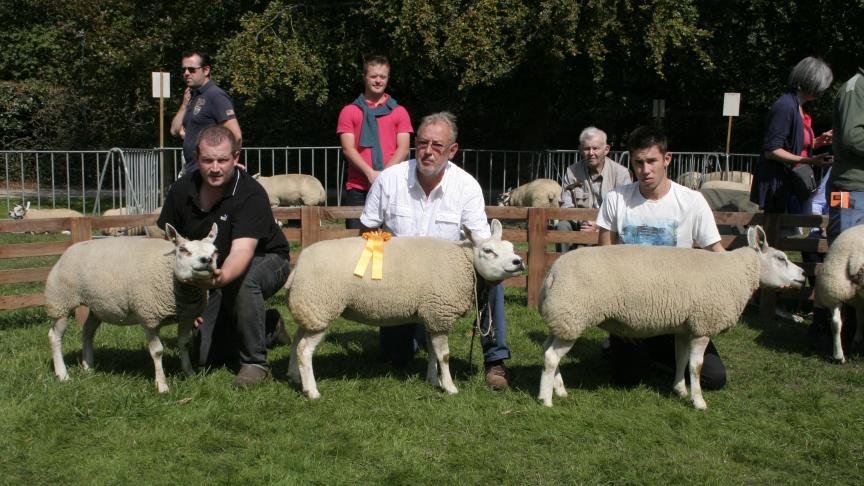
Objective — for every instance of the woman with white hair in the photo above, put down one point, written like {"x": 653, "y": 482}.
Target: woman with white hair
{"x": 789, "y": 139}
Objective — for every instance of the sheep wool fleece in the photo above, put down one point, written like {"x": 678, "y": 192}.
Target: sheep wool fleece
{"x": 845, "y": 256}
{"x": 642, "y": 291}
{"x": 88, "y": 270}
{"x": 425, "y": 279}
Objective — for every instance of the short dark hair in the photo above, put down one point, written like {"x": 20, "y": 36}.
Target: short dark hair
{"x": 645, "y": 137}
{"x": 215, "y": 135}
{"x": 374, "y": 60}
{"x": 205, "y": 58}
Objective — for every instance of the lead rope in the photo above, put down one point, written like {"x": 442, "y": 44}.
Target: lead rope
{"x": 478, "y": 326}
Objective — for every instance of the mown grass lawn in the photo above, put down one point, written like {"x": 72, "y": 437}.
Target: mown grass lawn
{"x": 787, "y": 416}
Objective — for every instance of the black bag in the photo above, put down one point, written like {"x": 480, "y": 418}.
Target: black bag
{"x": 802, "y": 181}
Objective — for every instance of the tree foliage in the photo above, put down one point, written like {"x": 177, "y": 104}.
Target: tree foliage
{"x": 519, "y": 73}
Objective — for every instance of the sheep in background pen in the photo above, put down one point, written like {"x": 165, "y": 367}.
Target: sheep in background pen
{"x": 24, "y": 212}
{"x": 293, "y": 190}
{"x": 539, "y": 193}
{"x": 841, "y": 281}
{"x": 127, "y": 280}
{"x": 643, "y": 291}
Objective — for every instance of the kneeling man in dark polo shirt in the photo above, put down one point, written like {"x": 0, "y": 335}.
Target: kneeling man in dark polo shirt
{"x": 253, "y": 252}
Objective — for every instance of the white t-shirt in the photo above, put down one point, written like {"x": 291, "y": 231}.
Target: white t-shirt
{"x": 679, "y": 218}
{"x": 397, "y": 202}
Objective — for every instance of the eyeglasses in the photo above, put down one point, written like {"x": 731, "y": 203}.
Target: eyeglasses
{"x": 191, "y": 69}
{"x": 436, "y": 147}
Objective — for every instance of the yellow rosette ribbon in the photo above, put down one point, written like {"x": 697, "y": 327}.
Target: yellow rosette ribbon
{"x": 374, "y": 251}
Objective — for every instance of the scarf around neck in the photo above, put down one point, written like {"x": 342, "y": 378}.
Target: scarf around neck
{"x": 369, "y": 130}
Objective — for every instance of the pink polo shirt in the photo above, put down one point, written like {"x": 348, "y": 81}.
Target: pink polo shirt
{"x": 351, "y": 121}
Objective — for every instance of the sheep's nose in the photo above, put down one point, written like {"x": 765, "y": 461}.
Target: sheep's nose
{"x": 206, "y": 260}
{"x": 518, "y": 263}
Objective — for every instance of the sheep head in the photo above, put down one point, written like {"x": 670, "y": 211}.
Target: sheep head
{"x": 504, "y": 198}
{"x": 19, "y": 211}
{"x": 494, "y": 258}
{"x": 775, "y": 269}
{"x": 193, "y": 259}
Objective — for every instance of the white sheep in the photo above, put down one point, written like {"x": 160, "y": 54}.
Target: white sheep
{"x": 539, "y": 193}
{"x": 643, "y": 291}
{"x": 293, "y": 190}
{"x": 128, "y": 280}
{"x": 841, "y": 280}
{"x": 744, "y": 178}
{"x": 24, "y": 212}
{"x": 426, "y": 280}
{"x": 690, "y": 179}
{"x": 152, "y": 230}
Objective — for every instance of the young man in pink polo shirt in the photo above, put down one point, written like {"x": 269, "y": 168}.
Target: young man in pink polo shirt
{"x": 374, "y": 131}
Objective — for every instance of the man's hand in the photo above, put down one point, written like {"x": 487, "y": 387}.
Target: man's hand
{"x": 372, "y": 175}
{"x": 589, "y": 226}
{"x": 212, "y": 283}
{"x": 187, "y": 95}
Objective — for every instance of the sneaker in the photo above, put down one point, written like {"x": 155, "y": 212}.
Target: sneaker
{"x": 275, "y": 332}
{"x": 496, "y": 375}
{"x": 250, "y": 375}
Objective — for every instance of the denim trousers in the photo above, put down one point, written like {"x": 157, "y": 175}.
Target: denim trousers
{"x": 354, "y": 197}
{"x": 234, "y": 321}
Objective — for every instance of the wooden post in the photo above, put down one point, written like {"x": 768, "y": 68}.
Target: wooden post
{"x": 536, "y": 254}
{"x": 310, "y": 225}
{"x": 82, "y": 230}
{"x": 728, "y": 135}
{"x": 768, "y": 297}
{"x": 162, "y": 140}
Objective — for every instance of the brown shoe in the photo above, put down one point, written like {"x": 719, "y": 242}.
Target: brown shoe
{"x": 496, "y": 375}
{"x": 250, "y": 375}
{"x": 276, "y": 334}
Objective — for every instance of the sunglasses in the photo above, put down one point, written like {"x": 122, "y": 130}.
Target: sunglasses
{"x": 191, "y": 69}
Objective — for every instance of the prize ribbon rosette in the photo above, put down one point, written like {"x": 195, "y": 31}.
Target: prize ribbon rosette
{"x": 374, "y": 251}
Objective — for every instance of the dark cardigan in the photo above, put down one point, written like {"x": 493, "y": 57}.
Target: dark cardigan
{"x": 783, "y": 129}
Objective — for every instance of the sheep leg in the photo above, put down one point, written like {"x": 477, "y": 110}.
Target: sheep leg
{"x": 305, "y": 347}
{"x": 155, "y": 346}
{"x": 558, "y": 383}
{"x": 553, "y": 353}
{"x": 440, "y": 346}
{"x": 293, "y": 369}
{"x": 697, "y": 356}
{"x": 682, "y": 356}
{"x": 837, "y": 328}
{"x": 184, "y": 337}
{"x": 87, "y": 334}
{"x": 55, "y": 338}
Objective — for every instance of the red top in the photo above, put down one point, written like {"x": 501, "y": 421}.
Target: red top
{"x": 808, "y": 134}
{"x": 351, "y": 121}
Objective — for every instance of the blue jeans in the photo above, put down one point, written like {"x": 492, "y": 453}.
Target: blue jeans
{"x": 841, "y": 219}
{"x": 234, "y": 321}
{"x": 399, "y": 343}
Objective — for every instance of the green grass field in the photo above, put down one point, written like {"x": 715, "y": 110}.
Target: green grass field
{"x": 787, "y": 416}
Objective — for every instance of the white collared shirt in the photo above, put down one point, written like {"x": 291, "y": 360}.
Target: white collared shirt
{"x": 397, "y": 202}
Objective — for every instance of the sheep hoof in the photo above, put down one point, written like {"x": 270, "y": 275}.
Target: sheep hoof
{"x": 700, "y": 404}
{"x": 547, "y": 402}
{"x": 681, "y": 390}
{"x": 161, "y": 388}
{"x": 63, "y": 377}
{"x": 313, "y": 395}
{"x": 451, "y": 390}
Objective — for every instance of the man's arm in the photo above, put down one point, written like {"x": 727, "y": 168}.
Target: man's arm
{"x": 850, "y": 119}
{"x": 607, "y": 237}
{"x": 347, "y": 141}
{"x": 177, "y": 121}
{"x": 403, "y": 142}
{"x": 239, "y": 256}
{"x": 372, "y": 216}
{"x": 718, "y": 247}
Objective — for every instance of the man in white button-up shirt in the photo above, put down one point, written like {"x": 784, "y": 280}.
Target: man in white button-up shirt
{"x": 431, "y": 196}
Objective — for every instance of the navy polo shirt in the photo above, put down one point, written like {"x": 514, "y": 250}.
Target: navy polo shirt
{"x": 242, "y": 212}
{"x": 209, "y": 105}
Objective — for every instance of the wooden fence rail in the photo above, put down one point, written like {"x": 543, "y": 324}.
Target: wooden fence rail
{"x": 322, "y": 223}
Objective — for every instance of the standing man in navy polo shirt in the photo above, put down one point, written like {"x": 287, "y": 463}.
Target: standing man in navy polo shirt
{"x": 204, "y": 104}
{"x": 253, "y": 253}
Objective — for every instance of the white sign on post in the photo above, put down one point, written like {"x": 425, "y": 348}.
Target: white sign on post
{"x": 165, "y": 85}
{"x": 731, "y": 104}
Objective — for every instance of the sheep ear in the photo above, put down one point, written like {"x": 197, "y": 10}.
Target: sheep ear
{"x": 173, "y": 236}
{"x": 256, "y": 176}
{"x": 496, "y": 229}
{"x": 27, "y": 206}
{"x": 764, "y": 238}
{"x": 753, "y": 235}
{"x": 211, "y": 237}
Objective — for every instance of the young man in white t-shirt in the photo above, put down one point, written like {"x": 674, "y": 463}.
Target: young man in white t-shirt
{"x": 658, "y": 212}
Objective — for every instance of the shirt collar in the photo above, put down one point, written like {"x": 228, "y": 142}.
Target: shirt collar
{"x": 230, "y": 188}
{"x": 204, "y": 87}
{"x": 379, "y": 103}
